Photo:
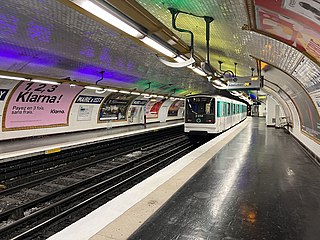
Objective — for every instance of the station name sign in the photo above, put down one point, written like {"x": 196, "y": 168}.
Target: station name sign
{"x": 89, "y": 99}
{"x": 248, "y": 83}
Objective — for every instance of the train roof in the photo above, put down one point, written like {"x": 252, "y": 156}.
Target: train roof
{"x": 215, "y": 96}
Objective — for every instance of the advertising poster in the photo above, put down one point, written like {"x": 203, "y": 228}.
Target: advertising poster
{"x": 174, "y": 108}
{"x": 115, "y": 107}
{"x": 294, "y": 22}
{"x": 305, "y": 8}
{"x": 33, "y": 105}
{"x": 84, "y": 113}
{"x": 152, "y": 108}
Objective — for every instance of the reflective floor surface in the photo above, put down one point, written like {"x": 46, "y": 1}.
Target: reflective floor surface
{"x": 259, "y": 186}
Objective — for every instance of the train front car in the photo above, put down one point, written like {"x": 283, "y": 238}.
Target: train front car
{"x": 200, "y": 115}
{"x": 207, "y": 115}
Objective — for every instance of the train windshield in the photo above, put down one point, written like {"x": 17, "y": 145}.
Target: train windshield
{"x": 201, "y": 105}
{"x": 200, "y": 109}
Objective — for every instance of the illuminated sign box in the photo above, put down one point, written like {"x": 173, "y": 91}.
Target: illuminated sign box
{"x": 248, "y": 83}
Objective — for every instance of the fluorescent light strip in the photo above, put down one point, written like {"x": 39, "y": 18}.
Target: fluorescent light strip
{"x": 101, "y": 11}
{"x": 14, "y": 78}
{"x": 218, "y": 82}
{"x": 122, "y": 91}
{"x": 112, "y": 90}
{"x": 157, "y": 46}
{"x": 45, "y": 81}
{"x": 144, "y": 94}
{"x": 198, "y": 71}
{"x": 135, "y": 93}
{"x": 93, "y": 88}
{"x": 179, "y": 59}
{"x": 160, "y": 96}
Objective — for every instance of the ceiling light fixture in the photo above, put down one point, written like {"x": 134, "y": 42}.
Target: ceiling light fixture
{"x": 112, "y": 90}
{"x": 218, "y": 82}
{"x": 135, "y": 93}
{"x": 101, "y": 91}
{"x": 199, "y": 71}
{"x": 122, "y": 91}
{"x": 45, "y": 81}
{"x": 14, "y": 78}
{"x": 180, "y": 62}
{"x": 107, "y": 14}
{"x": 157, "y": 46}
{"x": 93, "y": 88}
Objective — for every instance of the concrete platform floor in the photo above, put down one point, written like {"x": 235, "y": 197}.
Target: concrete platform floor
{"x": 261, "y": 185}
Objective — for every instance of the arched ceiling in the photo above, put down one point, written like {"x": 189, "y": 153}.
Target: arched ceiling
{"x": 49, "y": 39}
{"x": 54, "y": 38}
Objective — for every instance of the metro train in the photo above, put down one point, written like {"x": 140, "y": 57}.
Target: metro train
{"x": 212, "y": 114}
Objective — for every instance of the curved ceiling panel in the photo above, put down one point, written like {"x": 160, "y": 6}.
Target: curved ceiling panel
{"x": 271, "y": 89}
{"x": 232, "y": 44}
{"x": 288, "y": 87}
{"x": 308, "y": 73}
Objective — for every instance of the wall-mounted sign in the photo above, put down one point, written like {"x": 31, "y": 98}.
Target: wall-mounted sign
{"x": 89, "y": 99}
{"x": 33, "y": 105}
{"x": 140, "y": 102}
{"x": 248, "y": 83}
{"x": 84, "y": 113}
{"x": 3, "y": 94}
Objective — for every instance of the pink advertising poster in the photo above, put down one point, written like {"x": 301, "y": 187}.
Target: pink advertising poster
{"x": 34, "y": 105}
{"x": 293, "y": 22}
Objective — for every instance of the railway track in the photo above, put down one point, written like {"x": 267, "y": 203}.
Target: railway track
{"x": 36, "y": 211}
{"x": 24, "y": 170}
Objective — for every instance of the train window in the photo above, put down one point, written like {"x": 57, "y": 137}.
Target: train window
{"x": 219, "y": 109}
{"x": 201, "y": 105}
{"x": 200, "y": 110}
